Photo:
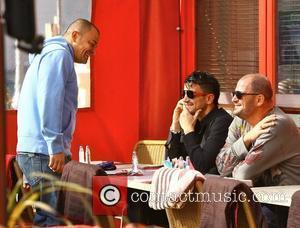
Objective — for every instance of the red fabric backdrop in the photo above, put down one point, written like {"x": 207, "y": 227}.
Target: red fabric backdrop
{"x": 135, "y": 71}
{"x": 159, "y": 79}
{"x": 110, "y": 127}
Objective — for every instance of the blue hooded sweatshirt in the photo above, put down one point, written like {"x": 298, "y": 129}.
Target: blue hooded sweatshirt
{"x": 48, "y": 100}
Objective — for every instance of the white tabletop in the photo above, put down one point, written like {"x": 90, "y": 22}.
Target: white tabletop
{"x": 142, "y": 182}
{"x": 139, "y": 182}
{"x": 277, "y": 195}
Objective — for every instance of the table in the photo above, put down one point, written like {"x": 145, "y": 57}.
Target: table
{"x": 135, "y": 182}
{"x": 276, "y": 195}
{"x": 138, "y": 182}
{"x": 138, "y": 186}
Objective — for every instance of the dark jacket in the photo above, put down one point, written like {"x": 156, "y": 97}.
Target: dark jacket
{"x": 70, "y": 203}
{"x": 222, "y": 204}
{"x": 203, "y": 144}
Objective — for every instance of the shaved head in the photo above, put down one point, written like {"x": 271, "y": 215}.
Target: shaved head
{"x": 259, "y": 84}
{"x": 80, "y": 25}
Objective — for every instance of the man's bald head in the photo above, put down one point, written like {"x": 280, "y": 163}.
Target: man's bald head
{"x": 259, "y": 84}
{"x": 80, "y": 25}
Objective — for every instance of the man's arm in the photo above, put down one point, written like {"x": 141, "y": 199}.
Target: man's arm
{"x": 267, "y": 151}
{"x": 53, "y": 72}
{"x": 203, "y": 156}
{"x": 239, "y": 141}
{"x": 174, "y": 148}
{"x": 234, "y": 149}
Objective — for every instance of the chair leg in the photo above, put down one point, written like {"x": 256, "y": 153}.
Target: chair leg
{"x": 248, "y": 213}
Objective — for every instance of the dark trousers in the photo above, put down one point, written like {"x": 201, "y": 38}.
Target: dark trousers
{"x": 140, "y": 212}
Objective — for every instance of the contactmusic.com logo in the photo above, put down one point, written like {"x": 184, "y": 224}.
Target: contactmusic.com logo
{"x": 109, "y": 195}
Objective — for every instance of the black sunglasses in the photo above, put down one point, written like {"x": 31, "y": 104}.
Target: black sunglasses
{"x": 191, "y": 94}
{"x": 239, "y": 95}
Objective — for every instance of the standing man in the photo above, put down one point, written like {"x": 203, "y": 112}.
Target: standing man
{"x": 199, "y": 128}
{"x": 262, "y": 143}
{"x": 47, "y": 108}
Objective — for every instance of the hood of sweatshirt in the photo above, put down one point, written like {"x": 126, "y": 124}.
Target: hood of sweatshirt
{"x": 61, "y": 43}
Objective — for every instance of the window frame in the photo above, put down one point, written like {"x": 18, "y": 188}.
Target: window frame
{"x": 268, "y": 41}
{"x": 268, "y": 55}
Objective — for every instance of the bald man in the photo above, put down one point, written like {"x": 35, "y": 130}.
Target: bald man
{"x": 47, "y": 108}
{"x": 262, "y": 143}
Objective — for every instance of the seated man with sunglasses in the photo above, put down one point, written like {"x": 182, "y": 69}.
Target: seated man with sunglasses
{"x": 199, "y": 128}
{"x": 262, "y": 143}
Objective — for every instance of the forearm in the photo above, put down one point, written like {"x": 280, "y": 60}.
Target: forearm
{"x": 175, "y": 126}
{"x": 202, "y": 158}
{"x": 174, "y": 148}
{"x": 230, "y": 156}
{"x": 262, "y": 156}
{"x": 203, "y": 148}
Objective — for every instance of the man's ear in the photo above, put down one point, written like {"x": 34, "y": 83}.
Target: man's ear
{"x": 74, "y": 36}
{"x": 210, "y": 98}
{"x": 260, "y": 99}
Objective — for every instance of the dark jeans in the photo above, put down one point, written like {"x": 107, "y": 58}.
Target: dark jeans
{"x": 276, "y": 216}
{"x": 31, "y": 163}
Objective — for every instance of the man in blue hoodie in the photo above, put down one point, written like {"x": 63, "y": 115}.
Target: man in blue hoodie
{"x": 47, "y": 108}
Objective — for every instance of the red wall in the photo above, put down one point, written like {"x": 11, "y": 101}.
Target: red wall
{"x": 120, "y": 103}
{"x": 11, "y": 131}
{"x": 115, "y": 77}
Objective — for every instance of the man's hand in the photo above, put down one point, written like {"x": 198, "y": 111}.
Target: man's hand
{"x": 56, "y": 162}
{"x": 175, "y": 126}
{"x": 26, "y": 185}
{"x": 260, "y": 128}
{"x": 187, "y": 120}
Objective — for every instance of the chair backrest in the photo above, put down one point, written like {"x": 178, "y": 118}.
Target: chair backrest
{"x": 77, "y": 207}
{"x": 188, "y": 216}
{"x": 235, "y": 205}
{"x": 150, "y": 151}
{"x": 294, "y": 211}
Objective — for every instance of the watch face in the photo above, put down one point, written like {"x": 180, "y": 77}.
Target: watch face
{"x": 175, "y": 132}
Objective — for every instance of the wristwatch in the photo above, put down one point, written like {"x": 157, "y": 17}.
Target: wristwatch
{"x": 175, "y": 132}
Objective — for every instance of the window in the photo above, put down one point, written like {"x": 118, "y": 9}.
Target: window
{"x": 288, "y": 53}
{"x": 227, "y": 41}
{"x": 16, "y": 62}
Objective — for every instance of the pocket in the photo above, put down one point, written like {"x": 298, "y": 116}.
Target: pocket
{"x": 29, "y": 164}
{"x": 36, "y": 168}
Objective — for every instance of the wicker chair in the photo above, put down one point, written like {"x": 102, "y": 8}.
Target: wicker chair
{"x": 150, "y": 151}
{"x": 189, "y": 215}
